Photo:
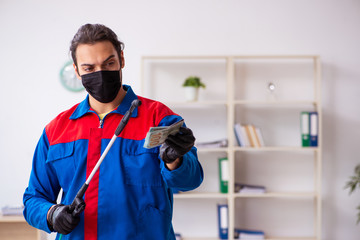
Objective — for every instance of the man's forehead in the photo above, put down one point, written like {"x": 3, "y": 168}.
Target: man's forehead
{"x": 97, "y": 51}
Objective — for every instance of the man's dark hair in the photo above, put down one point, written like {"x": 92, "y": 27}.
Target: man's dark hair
{"x": 93, "y": 33}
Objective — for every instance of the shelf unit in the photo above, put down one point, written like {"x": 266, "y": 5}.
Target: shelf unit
{"x": 15, "y": 227}
{"x": 236, "y": 90}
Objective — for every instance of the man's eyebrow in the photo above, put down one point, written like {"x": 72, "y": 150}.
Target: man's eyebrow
{"x": 110, "y": 57}
{"x": 87, "y": 64}
{"x": 107, "y": 59}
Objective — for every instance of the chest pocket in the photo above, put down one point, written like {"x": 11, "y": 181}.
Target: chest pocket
{"x": 61, "y": 157}
{"x": 143, "y": 168}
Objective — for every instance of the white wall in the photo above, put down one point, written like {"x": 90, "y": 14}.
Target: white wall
{"x": 34, "y": 43}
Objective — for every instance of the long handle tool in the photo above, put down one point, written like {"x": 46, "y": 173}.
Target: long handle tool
{"x": 77, "y": 206}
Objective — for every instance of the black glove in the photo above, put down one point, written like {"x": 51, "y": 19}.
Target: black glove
{"x": 62, "y": 220}
{"x": 175, "y": 146}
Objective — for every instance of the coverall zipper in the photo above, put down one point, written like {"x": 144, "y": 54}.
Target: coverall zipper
{"x": 101, "y": 123}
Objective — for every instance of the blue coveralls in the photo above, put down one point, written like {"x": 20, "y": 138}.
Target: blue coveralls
{"x": 130, "y": 197}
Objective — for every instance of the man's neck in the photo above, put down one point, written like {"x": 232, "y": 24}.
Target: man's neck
{"x": 100, "y": 107}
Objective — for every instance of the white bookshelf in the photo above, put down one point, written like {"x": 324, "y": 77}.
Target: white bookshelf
{"x": 236, "y": 92}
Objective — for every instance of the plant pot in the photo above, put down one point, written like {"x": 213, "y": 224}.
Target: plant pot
{"x": 191, "y": 94}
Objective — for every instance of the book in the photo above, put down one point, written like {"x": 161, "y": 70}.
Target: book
{"x": 260, "y": 137}
{"x": 223, "y": 219}
{"x": 249, "y": 234}
{"x": 305, "y": 129}
{"x": 245, "y": 135}
{"x": 253, "y": 136}
{"x": 239, "y": 136}
{"x": 213, "y": 144}
{"x": 314, "y": 128}
{"x": 246, "y": 188}
{"x": 12, "y": 210}
{"x": 224, "y": 174}
{"x": 248, "y": 133}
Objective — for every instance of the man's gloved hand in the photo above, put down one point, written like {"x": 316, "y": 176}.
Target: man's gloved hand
{"x": 175, "y": 146}
{"x": 62, "y": 220}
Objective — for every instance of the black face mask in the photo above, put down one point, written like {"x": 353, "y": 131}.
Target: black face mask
{"x": 102, "y": 85}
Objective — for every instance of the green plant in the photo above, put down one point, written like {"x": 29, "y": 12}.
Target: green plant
{"x": 352, "y": 184}
{"x": 193, "y": 81}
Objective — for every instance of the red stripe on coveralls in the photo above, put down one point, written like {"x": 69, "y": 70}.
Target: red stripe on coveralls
{"x": 91, "y": 195}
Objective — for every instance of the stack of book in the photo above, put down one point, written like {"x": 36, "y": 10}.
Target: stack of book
{"x": 246, "y": 188}
{"x": 309, "y": 125}
{"x": 249, "y": 234}
{"x": 248, "y": 135}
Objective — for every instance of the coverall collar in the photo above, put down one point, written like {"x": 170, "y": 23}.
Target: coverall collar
{"x": 84, "y": 106}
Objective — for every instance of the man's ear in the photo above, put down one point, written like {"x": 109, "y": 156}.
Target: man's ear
{"x": 76, "y": 71}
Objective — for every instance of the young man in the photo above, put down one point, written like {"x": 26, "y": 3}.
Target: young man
{"x": 130, "y": 196}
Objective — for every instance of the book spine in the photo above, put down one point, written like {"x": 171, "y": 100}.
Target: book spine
{"x": 260, "y": 137}
{"x": 305, "y": 129}
{"x": 223, "y": 221}
{"x": 237, "y": 130}
{"x": 254, "y": 136}
{"x": 224, "y": 174}
{"x": 248, "y": 133}
{"x": 245, "y": 135}
{"x": 314, "y": 128}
